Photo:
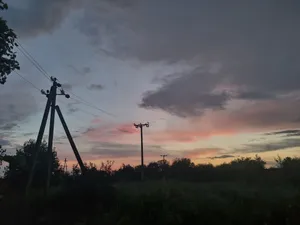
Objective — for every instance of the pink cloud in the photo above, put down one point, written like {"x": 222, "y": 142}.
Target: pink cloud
{"x": 251, "y": 117}
{"x": 128, "y": 129}
{"x": 96, "y": 121}
{"x": 185, "y": 135}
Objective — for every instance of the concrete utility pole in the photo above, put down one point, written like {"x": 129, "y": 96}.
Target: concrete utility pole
{"x": 164, "y": 156}
{"x": 65, "y": 168}
{"x": 51, "y": 103}
{"x": 53, "y": 90}
{"x": 140, "y": 125}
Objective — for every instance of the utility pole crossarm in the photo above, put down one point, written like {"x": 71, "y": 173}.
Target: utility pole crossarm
{"x": 163, "y": 156}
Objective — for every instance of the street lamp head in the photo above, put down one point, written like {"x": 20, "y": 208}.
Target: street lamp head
{"x": 147, "y": 124}
{"x": 136, "y": 125}
{"x": 67, "y": 96}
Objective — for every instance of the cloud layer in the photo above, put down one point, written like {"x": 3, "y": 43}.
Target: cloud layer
{"x": 116, "y": 150}
{"x": 269, "y": 146}
{"x": 242, "y": 62}
{"x": 251, "y": 49}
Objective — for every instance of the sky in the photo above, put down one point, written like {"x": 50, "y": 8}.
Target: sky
{"x": 216, "y": 80}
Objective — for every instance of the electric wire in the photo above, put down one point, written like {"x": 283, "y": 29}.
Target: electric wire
{"x": 33, "y": 61}
{"x": 46, "y": 75}
{"x": 28, "y": 81}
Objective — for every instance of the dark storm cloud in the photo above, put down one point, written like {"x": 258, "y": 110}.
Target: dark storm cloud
{"x": 183, "y": 96}
{"x": 4, "y": 143}
{"x": 31, "y": 18}
{"x": 8, "y": 126}
{"x": 255, "y": 44}
{"x": 86, "y": 70}
{"x": 287, "y": 133}
{"x": 72, "y": 110}
{"x": 97, "y": 87}
{"x": 252, "y": 95}
{"x": 67, "y": 87}
{"x": 29, "y": 134}
{"x": 15, "y": 107}
{"x": 270, "y": 146}
{"x": 83, "y": 71}
{"x": 72, "y": 107}
{"x": 34, "y": 17}
{"x": 222, "y": 157}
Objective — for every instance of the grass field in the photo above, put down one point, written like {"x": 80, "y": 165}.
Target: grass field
{"x": 240, "y": 193}
{"x": 212, "y": 203}
{"x": 162, "y": 202}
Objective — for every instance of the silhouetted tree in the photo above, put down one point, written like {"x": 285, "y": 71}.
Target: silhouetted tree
{"x": 248, "y": 163}
{"x": 289, "y": 169}
{"x": 127, "y": 173}
{"x": 21, "y": 163}
{"x": 8, "y": 62}
{"x": 107, "y": 167}
{"x": 2, "y": 154}
{"x": 153, "y": 165}
{"x": 182, "y": 163}
{"x": 181, "y": 168}
{"x": 288, "y": 162}
{"x": 75, "y": 170}
{"x": 91, "y": 167}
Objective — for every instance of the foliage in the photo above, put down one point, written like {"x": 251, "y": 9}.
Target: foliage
{"x": 2, "y": 153}
{"x": 21, "y": 163}
{"x": 240, "y": 192}
{"x": 288, "y": 163}
{"x": 182, "y": 163}
{"x": 8, "y": 62}
{"x": 172, "y": 203}
{"x": 107, "y": 167}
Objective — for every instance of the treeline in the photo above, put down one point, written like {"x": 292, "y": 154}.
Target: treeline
{"x": 243, "y": 169}
{"x": 243, "y": 191}
{"x": 183, "y": 169}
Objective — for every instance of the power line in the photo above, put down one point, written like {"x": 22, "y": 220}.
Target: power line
{"x": 80, "y": 110}
{"x": 59, "y": 100}
{"x": 29, "y": 82}
{"x": 79, "y": 99}
{"x": 89, "y": 113}
{"x": 44, "y": 73}
{"x": 32, "y": 60}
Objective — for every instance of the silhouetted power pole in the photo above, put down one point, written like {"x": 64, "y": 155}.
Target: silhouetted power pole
{"x": 65, "y": 168}
{"x": 141, "y": 125}
{"x": 51, "y": 104}
{"x": 164, "y": 156}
